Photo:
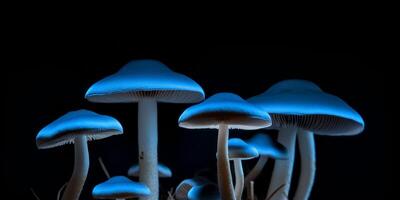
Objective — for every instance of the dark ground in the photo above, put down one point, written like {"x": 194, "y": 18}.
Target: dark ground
{"x": 50, "y": 78}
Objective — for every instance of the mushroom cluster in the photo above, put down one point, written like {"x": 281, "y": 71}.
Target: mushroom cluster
{"x": 298, "y": 109}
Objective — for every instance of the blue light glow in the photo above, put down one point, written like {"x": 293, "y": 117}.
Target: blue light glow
{"x": 298, "y": 97}
{"x": 238, "y": 149}
{"x": 226, "y": 108}
{"x": 120, "y": 187}
{"x": 266, "y": 146}
{"x": 145, "y": 78}
{"x": 79, "y": 122}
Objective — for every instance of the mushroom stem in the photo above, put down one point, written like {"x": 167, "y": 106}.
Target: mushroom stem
{"x": 147, "y": 142}
{"x": 81, "y": 168}
{"x": 253, "y": 174}
{"x": 308, "y": 167}
{"x": 251, "y": 190}
{"x": 224, "y": 172}
{"x": 282, "y": 173}
{"x": 239, "y": 178}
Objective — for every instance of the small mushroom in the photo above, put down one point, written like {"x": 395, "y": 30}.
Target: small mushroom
{"x": 163, "y": 171}
{"x": 224, "y": 111}
{"x": 267, "y": 148}
{"x": 238, "y": 151}
{"x": 301, "y": 106}
{"x": 204, "y": 192}
{"x": 182, "y": 190}
{"x": 77, "y": 127}
{"x": 146, "y": 82}
{"x": 120, "y": 187}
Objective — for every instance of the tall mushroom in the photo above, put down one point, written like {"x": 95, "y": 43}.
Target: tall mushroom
{"x": 238, "y": 151}
{"x": 267, "y": 148}
{"x": 298, "y": 105}
{"x": 146, "y": 82}
{"x": 77, "y": 127}
{"x": 120, "y": 187}
{"x": 224, "y": 111}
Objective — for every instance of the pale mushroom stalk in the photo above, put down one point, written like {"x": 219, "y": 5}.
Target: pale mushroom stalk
{"x": 224, "y": 172}
{"x": 255, "y": 172}
{"x": 308, "y": 167}
{"x": 282, "y": 173}
{"x": 81, "y": 168}
{"x": 251, "y": 190}
{"x": 239, "y": 178}
{"x": 147, "y": 141}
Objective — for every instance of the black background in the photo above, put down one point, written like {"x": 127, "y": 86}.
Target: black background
{"x": 49, "y": 77}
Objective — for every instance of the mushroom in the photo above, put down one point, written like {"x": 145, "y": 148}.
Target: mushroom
{"x": 238, "y": 151}
{"x": 163, "y": 171}
{"x": 204, "y": 192}
{"x": 146, "y": 82}
{"x": 182, "y": 190}
{"x": 224, "y": 111}
{"x": 120, "y": 187}
{"x": 267, "y": 148}
{"x": 77, "y": 127}
{"x": 298, "y": 105}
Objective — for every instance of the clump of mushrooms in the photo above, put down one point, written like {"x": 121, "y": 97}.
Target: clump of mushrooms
{"x": 301, "y": 108}
{"x": 224, "y": 111}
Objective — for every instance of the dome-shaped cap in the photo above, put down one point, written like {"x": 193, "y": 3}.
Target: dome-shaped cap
{"x": 226, "y": 108}
{"x": 204, "y": 192}
{"x": 303, "y": 104}
{"x": 182, "y": 190}
{"x": 266, "y": 146}
{"x": 76, "y": 123}
{"x": 163, "y": 171}
{"x": 145, "y": 78}
{"x": 238, "y": 149}
{"x": 120, "y": 187}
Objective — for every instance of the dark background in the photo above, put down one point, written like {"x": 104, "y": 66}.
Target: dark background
{"x": 49, "y": 77}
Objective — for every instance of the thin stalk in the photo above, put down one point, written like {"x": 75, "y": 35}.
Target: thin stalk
{"x": 224, "y": 171}
{"x": 308, "y": 167}
{"x": 81, "y": 168}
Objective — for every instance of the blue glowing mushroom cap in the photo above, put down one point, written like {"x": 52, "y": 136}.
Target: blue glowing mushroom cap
{"x": 204, "y": 192}
{"x": 224, "y": 108}
{"x": 163, "y": 171}
{"x": 238, "y": 149}
{"x": 76, "y": 123}
{"x": 120, "y": 187}
{"x": 182, "y": 190}
{"x": 303, "y": 104}
{"x": 266, "y": 146}
{"x": 145, "y": 78}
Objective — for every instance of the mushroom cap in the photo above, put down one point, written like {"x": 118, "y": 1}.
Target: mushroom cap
{"x": 238, "y": 149}
{"x": 145, "y": 78}
{"x": 76, "y": 123}
{"x": 163, "y": 171}
{"x": 303, "y": 104}
{"x": 224, "y": 108}
{"x": 204, "y": 192}
{"x": 182, "y": 190}
{"x": 266, "y": 146}
{"x": 120, "y": 187}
